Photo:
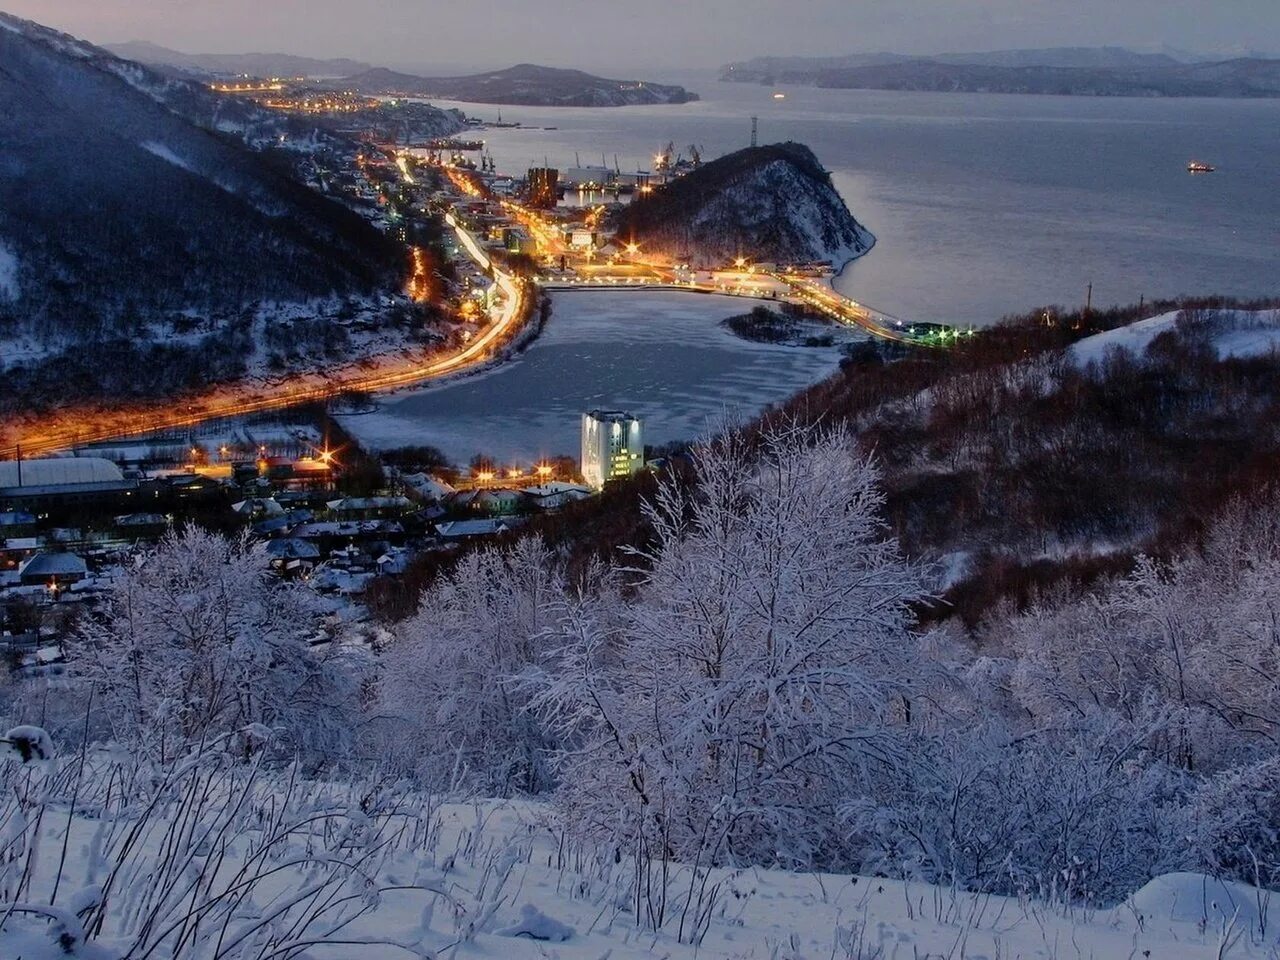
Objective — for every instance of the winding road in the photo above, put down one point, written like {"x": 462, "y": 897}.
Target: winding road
{"x": 69, "y": 428}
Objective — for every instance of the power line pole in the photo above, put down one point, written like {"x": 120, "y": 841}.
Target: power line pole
{"x": 755, "y": 129}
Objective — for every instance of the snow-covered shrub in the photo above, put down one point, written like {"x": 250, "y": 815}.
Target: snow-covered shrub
{"x": 1199, "y": 637}
{"x": 107, "y": 855}
{"x": 200, "y": 640}
{"x": 1080, "y": 815}
{"x": 1236, "y": 824}
{"x": 448, "y": 708}
{"x": 763, "y": 669}
{"x": 29, "y": 743}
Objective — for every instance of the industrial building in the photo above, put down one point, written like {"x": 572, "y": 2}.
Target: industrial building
{"x": 37, "y": 485}
{"x": 587, "y": 178}
{"x": 612, "y": 446}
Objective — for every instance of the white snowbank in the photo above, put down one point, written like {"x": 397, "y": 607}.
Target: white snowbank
{"x": 167, "y": 155}
{"x": 493, "y": 878}
{"x": 1233, "y": 333}
{"x": 536, "y": 925}
{"x": 1199, "y": 899}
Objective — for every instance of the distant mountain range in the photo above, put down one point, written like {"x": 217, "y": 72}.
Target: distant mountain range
{"x": 525, "y": 84}
{"x": 1072, "y": 71}
{"x": 771, "y": 203}
{"x": 134, "y": 211}
{"x": 235, "y": 64}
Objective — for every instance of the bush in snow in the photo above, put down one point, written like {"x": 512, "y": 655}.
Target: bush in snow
{"x": 1078, "y": 816}
{"x": 29, "y": 743}
{"x": 451, "y": 714}
{"x": 536, "y": 925}
{"x": 199, "y": 640}
{"x": 763, "y": 670}
{"x": 1199, "y": 636}
{"x": 105, "y": 854}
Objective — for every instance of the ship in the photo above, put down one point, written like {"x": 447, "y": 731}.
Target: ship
{"x": 1195, "y": 166}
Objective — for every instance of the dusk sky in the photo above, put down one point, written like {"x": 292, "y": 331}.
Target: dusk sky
{"x": 621, "y": 35}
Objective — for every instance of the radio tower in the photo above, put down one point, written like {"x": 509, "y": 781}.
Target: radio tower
{"x": 755, "y": 128}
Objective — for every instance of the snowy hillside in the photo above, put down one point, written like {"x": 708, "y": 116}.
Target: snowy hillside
{"x": 773, "y": 203}
{"x": 203, "y": 858}
{"x": 1231, "y": 333}
{"x": 734, "y": 742}
{"x": 123, "y": 217}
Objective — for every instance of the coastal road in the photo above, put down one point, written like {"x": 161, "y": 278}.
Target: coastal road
{"x": 64, "y": 430}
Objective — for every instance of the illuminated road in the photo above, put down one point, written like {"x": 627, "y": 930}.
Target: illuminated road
{"x": 67, "y": 429}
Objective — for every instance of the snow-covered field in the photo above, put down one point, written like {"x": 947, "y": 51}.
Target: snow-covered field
{"x": 661, "y": 356}
{"x": 1233, "y": 333}
{"x": 229, "y": 864}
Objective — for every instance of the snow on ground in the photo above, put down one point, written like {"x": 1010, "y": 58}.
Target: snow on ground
{"x": 8, "y": 273}
{"x": 661, "y": 355}
{"x": 166, "y": 154}
{"x": 1234, "y": 333}
{"x": 494, "y": 879}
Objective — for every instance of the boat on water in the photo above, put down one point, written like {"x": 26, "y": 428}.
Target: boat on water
{"x": 779, "y": 96}
{"x": 1195, "y": 166}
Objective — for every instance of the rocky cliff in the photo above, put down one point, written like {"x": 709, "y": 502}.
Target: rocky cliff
{"x": 773, "y": 203}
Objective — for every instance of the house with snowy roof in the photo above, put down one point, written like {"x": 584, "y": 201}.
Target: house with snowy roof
{"x": 468, "y": 529}
{"x": 425, "y": 487}
{"x": 369, "y": 508}
{"x": 555, "y": 494}
{"x": 52, "y": 570}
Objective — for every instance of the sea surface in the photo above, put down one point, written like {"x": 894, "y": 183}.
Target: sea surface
{"x": 982, "y": 205}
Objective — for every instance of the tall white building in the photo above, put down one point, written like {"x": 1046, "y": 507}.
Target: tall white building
{"x": 612, "y": 446}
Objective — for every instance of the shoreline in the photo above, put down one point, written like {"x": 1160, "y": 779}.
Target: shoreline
{"x": 309, "y": 387}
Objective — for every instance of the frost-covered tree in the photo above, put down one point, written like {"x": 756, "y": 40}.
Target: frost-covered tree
{"x": 448, "y": 706}
{"x": 1199, "y": 637}
{"x": 200, "y": 640}
{"x": 1080, "y": 814}
{"x": 763, "y": 668}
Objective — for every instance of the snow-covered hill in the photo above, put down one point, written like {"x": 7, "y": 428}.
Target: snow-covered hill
{"x": 773, "y": 203}
{"x": 1231, "y": 333}
{"x": 203, "y": 858}
{"x": 131, "y": 201}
